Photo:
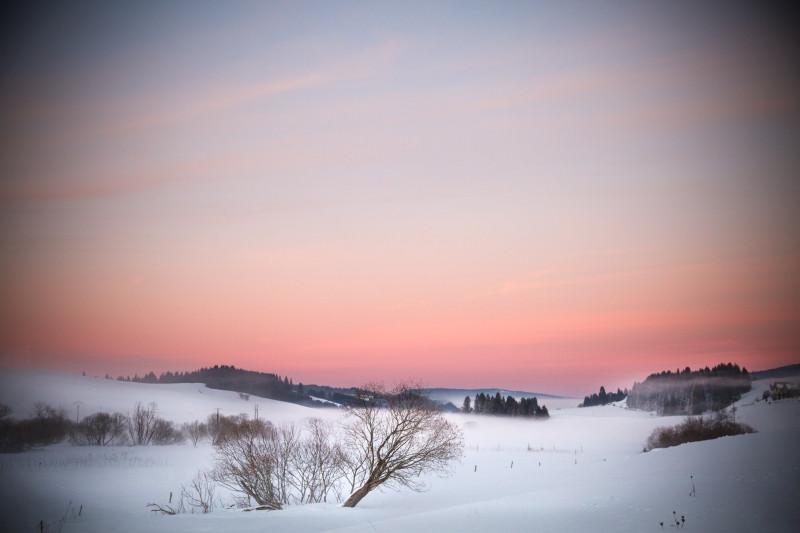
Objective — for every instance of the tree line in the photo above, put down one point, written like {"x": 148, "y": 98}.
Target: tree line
{"x": 50, "y": 425}
{"x": 230, "y": 378}
{"x": 689, "y": 392}
{"x": 499, "y": 405}
{"x": 603, "y": 397}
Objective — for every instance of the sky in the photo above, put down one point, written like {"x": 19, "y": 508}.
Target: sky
{"x": 542, "y": 196}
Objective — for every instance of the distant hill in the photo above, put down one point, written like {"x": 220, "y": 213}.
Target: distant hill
{"x": 230, "y": 378}
{"x": 777, "y": 373}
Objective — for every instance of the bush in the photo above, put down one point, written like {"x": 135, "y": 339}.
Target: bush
{"x": 99, "y": 429}
{"x": 280, "y": 466}
{"x": 195, "y": 432}
{"x": 145, "y": 427}
{"x": 221, "y": 427}
{"x": 165, "y": 432}
{"x": 48, "y": 426}
{"x": 695, "y": 429}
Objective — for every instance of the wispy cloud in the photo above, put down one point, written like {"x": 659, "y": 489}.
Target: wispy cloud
{"x": 530, "y": 282}
{"x": 367, "y": 63}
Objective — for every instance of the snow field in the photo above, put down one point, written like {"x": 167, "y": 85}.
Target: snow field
{"x": 582, "y": 470}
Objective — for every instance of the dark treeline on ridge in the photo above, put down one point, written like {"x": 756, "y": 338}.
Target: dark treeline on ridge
{"x": 263, "y": 384}
{"x": 603, "y": 397}
{"x": 689, "y": 392}
{"x": 224, "y": 377}
{"x": 487, "y": 404}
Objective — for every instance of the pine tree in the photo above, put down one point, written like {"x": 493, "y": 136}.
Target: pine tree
{"x": 466, "y": 408}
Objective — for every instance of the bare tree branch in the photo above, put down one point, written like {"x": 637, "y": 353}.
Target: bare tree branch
{"x": 393, "y": 437}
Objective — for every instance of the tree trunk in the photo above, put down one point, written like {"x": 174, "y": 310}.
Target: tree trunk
{"x": 357, "y": 496}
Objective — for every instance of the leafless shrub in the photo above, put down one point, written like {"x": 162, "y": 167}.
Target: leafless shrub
{"x": 393, "y": 437}
{"x": 280, "y": 466}
{"x": 99, "y": 429}
{"x": 694, "y": 429}
{"x": 220, "y": 427}
{"x": 245, "y": 463}
{"x": 50, "y": 425}
{"x": 195, "y": 432}
{"x": 144, "y": 427}
{"x": 141, "y": 424}
{"x": 199, "y": 493}
{"x": 318, "y": 464}
{"x": 4, "y": 410}
{"x": 165, "y": 432}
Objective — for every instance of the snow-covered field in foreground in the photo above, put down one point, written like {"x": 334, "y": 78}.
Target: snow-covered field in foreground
{"x": 582, "y": 470}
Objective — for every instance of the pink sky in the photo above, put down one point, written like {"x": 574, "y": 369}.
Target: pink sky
{"x": 539, "y": 197}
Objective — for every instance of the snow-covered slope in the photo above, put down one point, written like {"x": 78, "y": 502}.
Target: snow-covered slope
{"x": 581, "y": 471}
{"x": 183, "y": 402}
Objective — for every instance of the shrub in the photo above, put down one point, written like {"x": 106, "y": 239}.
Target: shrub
{"x": 165, "y": 432}
{"x": 695, "y": 429}
{"x": 49, "y": 426}
{"x": 220, "y": 427}
{"x": 99, "y": 429}
{"x": 195, "y": 432}
{"x": 280, "y": 466}
{"x": 145, "y": 427}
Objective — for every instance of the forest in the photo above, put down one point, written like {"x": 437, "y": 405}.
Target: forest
{"x": 690, "y": 392}
{"x": 504, "y": 406}
{"x": 228, "y": 377}
{"x": 603, "y": 398}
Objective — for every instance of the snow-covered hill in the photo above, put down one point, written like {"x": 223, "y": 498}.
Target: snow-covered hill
{"x": 180, "y": 402}
{"x": 582, "y": 470}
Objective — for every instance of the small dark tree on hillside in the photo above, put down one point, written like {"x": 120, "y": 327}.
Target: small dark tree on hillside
{"x": 395, "y": 436}
{"x": 466, "y": 407}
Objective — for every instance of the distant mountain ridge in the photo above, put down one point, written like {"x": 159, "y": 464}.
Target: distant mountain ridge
{"x": 780, "y": 372}
{"x": 489, "y": 391}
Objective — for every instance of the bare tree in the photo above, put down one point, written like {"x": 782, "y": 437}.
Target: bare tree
{"x": 246, "y": 463}
{"x": 100, "y": 429}
{"x": 316, "y": 469}
{"x": 280, "y": 466}
{"x": 199, "y": 493}
{"x": 395, "y": 436}
{"x": 220, "y": 427}
{"x": 285, "y": 445}
{"x": 195, "y": 432}
{"x": 165, "y": 432}
{"x": 141, "y": 423}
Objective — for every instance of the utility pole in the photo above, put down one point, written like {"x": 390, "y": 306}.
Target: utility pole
{"x": 255, "y": 408}
{"x": 78, "y": 404}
